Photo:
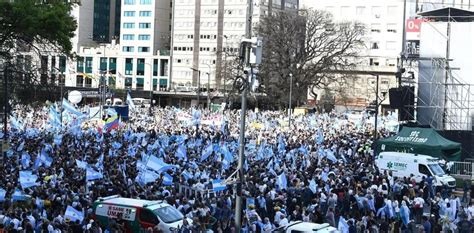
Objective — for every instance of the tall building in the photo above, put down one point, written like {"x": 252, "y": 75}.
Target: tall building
{"x": 106, "y": 23}
{"x": 204, "y": 31}
{"x": 136, "y": 53}
{"x": 383, "y": 43}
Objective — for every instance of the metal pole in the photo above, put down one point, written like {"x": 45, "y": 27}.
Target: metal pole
{"x": 376, "y": 113}
{"x": 5, "y": 102}
{"x": 241, "y": 161}
{"x": 209, "y": 90}
{"x": 404, "y": 41}
{"x": 289, "y": 102}
{"x": 199, "y": 87}
{"x": 151, "y": 89}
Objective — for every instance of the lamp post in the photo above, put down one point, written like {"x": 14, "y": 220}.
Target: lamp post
{"x": 208, "y": 87}
{"x": 199, "y": 84}
{"x": 289, "y": 102}
{"x": 225, "y": 66}
{"x": 4, "y": 69}
{"x": 150, "y": 110}
{"x": 377, "y": 104}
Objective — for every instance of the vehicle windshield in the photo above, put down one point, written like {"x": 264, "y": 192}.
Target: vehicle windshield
{"x": 436, "y": 169}
{"x": 137, "y": 101}
{"x": 146, "y": 101}
{"x": 168, "y": 214}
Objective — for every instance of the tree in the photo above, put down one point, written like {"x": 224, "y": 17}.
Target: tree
{"x": 306, "y": 46}
{"x": 30, "y": 29}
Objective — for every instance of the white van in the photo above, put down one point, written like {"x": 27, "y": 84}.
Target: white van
{"x": 300, "y": 226}
{"x": 406, "y": 164}
{"x": 141, "y": 102}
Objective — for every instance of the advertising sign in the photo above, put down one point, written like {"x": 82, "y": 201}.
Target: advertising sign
{"x": 113, "y": 211}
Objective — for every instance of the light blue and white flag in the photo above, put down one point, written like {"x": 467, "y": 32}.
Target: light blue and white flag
{"x": 312, "y": 186}
{"x": 25, "y": 160}
{"x": 70, "y": 108}
{"x": 130, "y": 103}
{"x": 27, "y": 179}
{"x": 3, "y": 192}
{"x": 92, "y": 174}
{"x": 45, "y": 159}
{"x": 342, "y": 225}
{"x": 158, "y": 165}
{"x": 207, "y": 152}
{"x": 282, "y": 182}
{"x": 146, "y": 176}
{"x": 18, "y": 195}
{"x": 81, "y": 164}
{"x": 218, "y": 185}
{"x": 73, "y": 214}
{"x": 167, "y": 179}
{"x": 181, "y": 152}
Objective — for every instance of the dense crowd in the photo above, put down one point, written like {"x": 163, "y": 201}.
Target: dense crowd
{"x": 321, "y": 170}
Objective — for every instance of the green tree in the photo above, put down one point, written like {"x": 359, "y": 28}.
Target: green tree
{"x": 305, "y": 45}
{"x": 28, "y": 30}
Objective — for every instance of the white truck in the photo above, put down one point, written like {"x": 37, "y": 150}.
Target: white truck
{"x": 406, "y": 164}
{"x": 300, "y": 227}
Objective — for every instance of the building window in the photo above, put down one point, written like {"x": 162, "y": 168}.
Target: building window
{"x": 360, "y": 10}
{"x": 145, "y": 25}
{"x": 145, "y": 13}
{"x": 143, "y": 37}
{"x": 113, "y": 65}
{"x": 128, "y": 25}
{"x": 129, "y": 13}
{"x": 374, "y": 45}
{"x": 129, "y": 2}
{"x": 143, "y": 49}
{"x": 127, "y": 48}
{"x": 140, "y": 83}
{"x": 128, "y": 83}
{"x": 391, "y": 45}
{"x": 128, "y": 66}
{"x": 140, "y": 66}
{"x": 391, "y": 27}
{"x": 376, "y": 10}
{"x": 375, "y": 28}
{"x": 145, "y": 2}
{"x": 88, "y": 65}
{"x": 128, "y": 37}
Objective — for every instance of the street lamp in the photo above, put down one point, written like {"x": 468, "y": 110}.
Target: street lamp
{"x": 225, "y": 65}
{"x": 377, "y": 110}
{"x": 199, "y": 84}
{"x": 151, "y": 89}
{"x": 208, "y": 87}
{"x": 289, "y": 102}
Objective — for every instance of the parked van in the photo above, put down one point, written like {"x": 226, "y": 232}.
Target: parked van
{"x": 116, "y": 102}
{"x": 300, "y": 226}
{"x": 141, "y": 102}
{"x": 138, "y": 215}
{"x": 406, "y": 164}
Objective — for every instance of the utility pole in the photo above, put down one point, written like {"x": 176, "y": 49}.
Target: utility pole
{"x": 199, "y": 84}
{"x": 5, "y": 101}
{"x": 376, "y": 112}
{"x": 289, "y": 101}
{"x": 241, "y": 161}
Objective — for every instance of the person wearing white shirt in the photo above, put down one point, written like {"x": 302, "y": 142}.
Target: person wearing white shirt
{"x": 283, "y": 221}
{"x": 267, "y": 225}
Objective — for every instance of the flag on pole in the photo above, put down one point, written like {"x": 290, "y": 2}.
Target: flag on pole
{"x": 342, "y": 225}
{"x": 312, "y": 186}
{"x": 158, "y": 164}
{"x": 207, "y": 152}
{"x": 167, "y": 179}
{"x": 218, "y": 185}
{"x": 282, "y": 182}
{"x": 27, "y": 179}
{"x": 18, "y": 195}
{"x": 92, "y": 174}
{"x": 181, "y": 152}
{"x": 3, "y": 192}
{"x": 130, "y": 103}
{"x": 73, "y": 214}
{"x": 68, "y": 107}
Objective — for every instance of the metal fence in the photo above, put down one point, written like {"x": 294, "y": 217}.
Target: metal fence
{"x": 462, "y": 169}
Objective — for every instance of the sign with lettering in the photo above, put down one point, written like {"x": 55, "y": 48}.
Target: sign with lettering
{"x": 396, "y": 166}
{"x": 114, "y": 211}
{"x": 412, "y": 138}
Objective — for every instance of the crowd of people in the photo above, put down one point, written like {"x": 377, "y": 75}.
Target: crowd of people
{"x": 320, "y": 169}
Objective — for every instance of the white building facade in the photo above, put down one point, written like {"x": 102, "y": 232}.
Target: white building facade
{"x": 383, "y": 40}
{"x": 137, "y": 60}
{"x": 204, "y": 31}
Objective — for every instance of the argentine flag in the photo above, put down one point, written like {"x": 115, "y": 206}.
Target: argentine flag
{"x": 218, "y": 185}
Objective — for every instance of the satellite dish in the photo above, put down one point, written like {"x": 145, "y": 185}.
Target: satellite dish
{"x": 74, "y": 97}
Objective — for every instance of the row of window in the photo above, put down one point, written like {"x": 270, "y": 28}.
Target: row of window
{"x": 133, "y": 2}
{"x": 377, "y": 28}
{"x": 141, "y": 13}
{"x": 211, "y": 24}
{"x": 187, "y": 61}
{"x": 130, "y": 49}
{"x": 208, "y": 36}
{"x": 376, "y": 11}
{"x": 140, "y": 25}
{"x": 205, "y": 49}
{"x": 390, "y": 45}
{"x": 132, "y": 37}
